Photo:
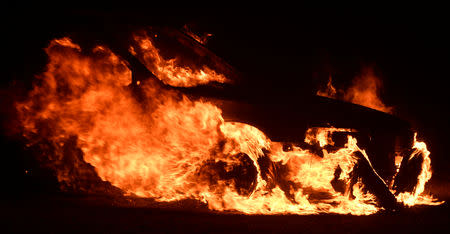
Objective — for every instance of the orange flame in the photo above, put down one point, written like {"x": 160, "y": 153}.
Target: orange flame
{"x": 364, "y": 91}
{"x": 330, "y": 90}
{"x": 168, "y": 147}
{"x": 169, "y": 71}
{"x": 203, "y": 39}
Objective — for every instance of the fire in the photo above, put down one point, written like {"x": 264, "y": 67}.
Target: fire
{"x": 170, "y": 71}
{"x": 323, "y": 135}
{"x": 416, "y": 196}
{"x": 364, "y": 91}
{"x": 329, "y": 91}
{"x": 203, "y": 39}
{"x": 168, "y": 147}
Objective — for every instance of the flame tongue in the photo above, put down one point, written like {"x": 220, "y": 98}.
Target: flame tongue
{"x": 363, "y": 91}
{"x": 168, "y": 147}
{"x": 173, "y": 71}
{"x": 417, "y": 196}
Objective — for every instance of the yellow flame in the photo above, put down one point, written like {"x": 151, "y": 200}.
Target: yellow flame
{"x": 417, "y": 196}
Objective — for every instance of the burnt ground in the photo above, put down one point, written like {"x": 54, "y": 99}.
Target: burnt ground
{"x": 75, "y": 214}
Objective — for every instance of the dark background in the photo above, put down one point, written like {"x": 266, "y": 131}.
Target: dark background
{"x": 282, "y": 50}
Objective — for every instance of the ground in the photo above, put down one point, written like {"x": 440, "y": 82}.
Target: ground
{"x": 66, "y": 214}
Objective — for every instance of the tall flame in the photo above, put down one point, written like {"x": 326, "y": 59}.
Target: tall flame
{"x": 417, "y": 196}
{"x": 168, "y": 147}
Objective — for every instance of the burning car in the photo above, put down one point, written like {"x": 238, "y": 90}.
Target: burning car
{"x": 158, "y": 115}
